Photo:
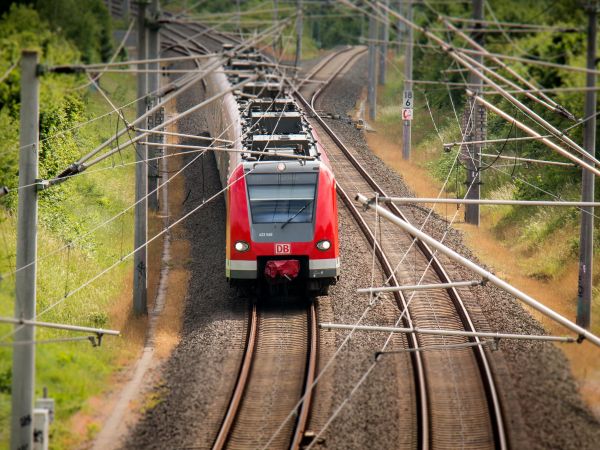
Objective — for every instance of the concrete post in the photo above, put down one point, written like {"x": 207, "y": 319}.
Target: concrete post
{"x": 141, "y": 181}
{"x": 384, "y": 35}
{"x": 478, "y": 119}
{"x": 372, "y": 88}
{"x": 408, "y": 85}
{"x": 153, "y": 85}
{"x": 299, "y": 30}
{"x": 586, "y": 241}
{"x": 23, "y": 367}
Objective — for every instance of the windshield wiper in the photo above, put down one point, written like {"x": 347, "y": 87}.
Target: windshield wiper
{"x": 296, "y": 215}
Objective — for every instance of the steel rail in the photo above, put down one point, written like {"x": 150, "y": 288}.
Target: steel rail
{"x": 244, "y": 376}
{"x": 423, "y": 437}
{"x": 354, "y": 54}
{"x": 495, "y": 407}
{"x": 322, "y": 63}
{"x": 242, "y": 380}
{"x": 311, "y": 372}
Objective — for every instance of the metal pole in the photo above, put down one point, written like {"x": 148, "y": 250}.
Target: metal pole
{"x": 475, "y": 119}
{"x": 418, "y": 234}
{"x": 384, "y": 35}
{"x": 153, "y": 85}
{"x": 531, "y": 132}
{"x": 58, "y": 326}
{"x": 419, "y": 287}
{"x": 408, "y": 75}
{"x": 23, "y": 367}
{"x": 586, "y": 240}
{"x": 442, "y": 332}
{"x": 141, "y": 180}
{"x": 299, "y": 29}
{"x": 372, "y": 89}
{"x": 275, "y": 20}
{"x": 464, "y": 201}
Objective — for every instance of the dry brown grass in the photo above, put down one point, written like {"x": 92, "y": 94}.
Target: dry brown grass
{"x": 168, "y": 326}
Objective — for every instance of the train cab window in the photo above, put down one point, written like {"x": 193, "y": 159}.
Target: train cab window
{"x": 282, "y": 198}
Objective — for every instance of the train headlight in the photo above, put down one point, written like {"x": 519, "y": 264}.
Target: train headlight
{"x": 242, "y": 246}
{"x": 324, "y": 245}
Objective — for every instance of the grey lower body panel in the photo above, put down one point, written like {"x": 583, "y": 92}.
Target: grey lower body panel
{"x": 248, "y": 270}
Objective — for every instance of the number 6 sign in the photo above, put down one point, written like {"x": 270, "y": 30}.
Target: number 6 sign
{"x": 408, "y": 99}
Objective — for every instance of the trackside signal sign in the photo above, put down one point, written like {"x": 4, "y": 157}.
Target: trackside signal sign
{"x": 407, "y": 105}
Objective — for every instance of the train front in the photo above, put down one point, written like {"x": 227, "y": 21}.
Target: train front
{"x": 282, "y": 227}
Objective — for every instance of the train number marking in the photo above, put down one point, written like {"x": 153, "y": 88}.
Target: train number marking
{"x": 283, "y": 249}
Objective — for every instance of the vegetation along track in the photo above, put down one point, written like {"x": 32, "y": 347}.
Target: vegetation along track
{"x": 458, "y": 403}
{"x": 277, "y": 370}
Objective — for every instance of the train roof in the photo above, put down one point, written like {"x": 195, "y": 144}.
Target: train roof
{"x": 274, "y": 128}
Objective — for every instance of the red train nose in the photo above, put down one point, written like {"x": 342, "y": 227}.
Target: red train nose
{"x": 282, "y": 268}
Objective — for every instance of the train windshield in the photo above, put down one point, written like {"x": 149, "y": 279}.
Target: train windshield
{"x": 282, "y": 198}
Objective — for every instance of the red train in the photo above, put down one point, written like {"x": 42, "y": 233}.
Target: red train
{"x": 282, "y": 226}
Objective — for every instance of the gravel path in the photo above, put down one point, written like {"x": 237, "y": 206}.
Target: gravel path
{"x": 545, "y": 408}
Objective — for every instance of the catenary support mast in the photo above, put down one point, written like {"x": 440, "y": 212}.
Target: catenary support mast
{"x": 475, "y": 124}
{"x": 384, "y": 35}
{"x": 408, "y": 74}
{"x": 23, "y": 368}
{"x": 141, "y": 180}
{"x": 586, "y": 241}
{"x": 372, "y": 88}
{"x": 153, "y": 85}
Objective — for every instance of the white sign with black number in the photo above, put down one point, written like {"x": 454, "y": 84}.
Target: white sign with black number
{"x": 408, "y": 100}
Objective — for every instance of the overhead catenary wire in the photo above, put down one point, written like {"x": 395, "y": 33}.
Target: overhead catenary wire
{"x": 114, "y": 56}
{"x": 510, "y": 24}
{"x": 348, "y": 336}
{"x": 134, "y": 62}
{"x": 552, "y": 104}
{"x": 231, "y": 150}
{"x": 583, "y": 333}
{"x": 475, "y": 67}
{"x": 123, "y": 258}
{"x": 535, "y": 134}
{"x": 187, "y": 84}
{"x": 10, "y": 69}
{"x": 147, "y": 195}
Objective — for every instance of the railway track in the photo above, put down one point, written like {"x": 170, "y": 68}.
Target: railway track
{"x": 280, "y": 358}
{"x": 326, "y": 69}
{"x": 277, "y": 370}
{"x": 457, "y": 401}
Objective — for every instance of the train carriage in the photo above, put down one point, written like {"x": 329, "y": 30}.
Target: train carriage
{"x": 282, "y": 227}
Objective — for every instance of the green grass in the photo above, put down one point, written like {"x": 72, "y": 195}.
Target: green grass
{"x": 74, "y": 372}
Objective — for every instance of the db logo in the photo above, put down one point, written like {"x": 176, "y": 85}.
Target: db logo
{"x": 283, "y": 249}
